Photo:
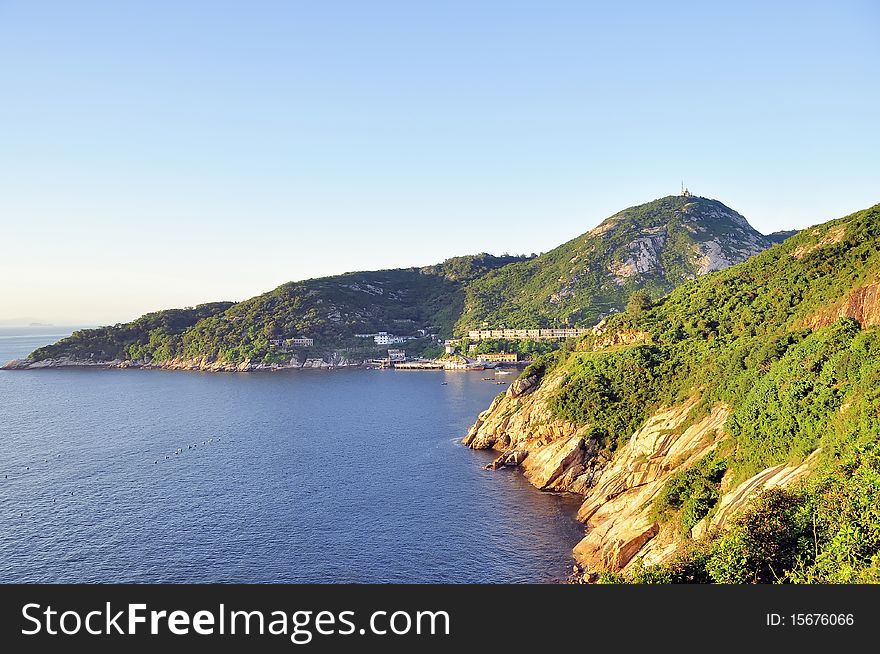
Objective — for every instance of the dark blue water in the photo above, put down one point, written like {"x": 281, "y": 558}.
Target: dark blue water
{"x": 299, "y": 476}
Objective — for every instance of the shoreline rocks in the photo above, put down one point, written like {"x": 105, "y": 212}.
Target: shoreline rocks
{"x": 198, "y": 365}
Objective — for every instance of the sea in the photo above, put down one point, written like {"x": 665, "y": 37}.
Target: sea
{"x": 324, "y": 476}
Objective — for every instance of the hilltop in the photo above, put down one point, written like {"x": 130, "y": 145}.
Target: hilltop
{"x": 653, "y": 247}
{"x": 727, "y": 432}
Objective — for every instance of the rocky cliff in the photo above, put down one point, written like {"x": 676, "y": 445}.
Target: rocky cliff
{"x": 618, "y": 490}
{"x": 672, "y": 416}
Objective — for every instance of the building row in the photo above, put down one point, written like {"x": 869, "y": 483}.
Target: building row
{"x": 500, "y": 357}
{"x": 292, "y": 342}
{"x": 532, "y": 334}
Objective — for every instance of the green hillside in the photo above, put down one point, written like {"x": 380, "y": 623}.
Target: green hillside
{"x": 330, "y": 310}
{"x": 159, "y": 332}
{"x": 652, "y": 247}
{"x": 790, "y": 341}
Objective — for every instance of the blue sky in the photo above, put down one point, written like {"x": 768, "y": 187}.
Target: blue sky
{"x": 160, "y": 154}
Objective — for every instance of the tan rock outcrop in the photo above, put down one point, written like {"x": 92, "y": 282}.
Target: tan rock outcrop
{"x": 863, "y": 304}
{"x": 617, "y": 510}
{"x": 520, "y": 418}
{"x": 618, "y": 494}
{"x": 546, "y": 465}
{"x": 734, "y": 501}
{"x": 832, "y": 236}
{"x": 625, "y": 337}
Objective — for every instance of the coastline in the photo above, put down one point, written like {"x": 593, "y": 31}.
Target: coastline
{"x": 200, "y": 365}
{"x": 619, "y": 489}
{"x": 206, "y": 365}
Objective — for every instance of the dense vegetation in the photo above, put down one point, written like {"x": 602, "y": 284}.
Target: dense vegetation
{"x": 330, "y": 310}
{"x": 160, "y": 331}
{"x": 762, "y": 338}
{"x": 572, "y": 284}
{"x": 580, "y": 281}
{"x": 691, "y": 494}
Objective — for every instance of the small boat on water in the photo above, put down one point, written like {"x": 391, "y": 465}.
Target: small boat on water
{"x": 443, "y": 383}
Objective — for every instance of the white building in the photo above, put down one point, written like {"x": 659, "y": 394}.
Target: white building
{"x": 396, "y": 355}
{"x": 385, "y": 338}
{"x": 300, "y": 342}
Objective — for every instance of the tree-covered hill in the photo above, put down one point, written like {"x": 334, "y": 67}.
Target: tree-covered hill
{"x": 789, "y": 341}
{"x": 329, "y": 310}
{"x": 159, "y": 331}
{"x": 652, "y": 247}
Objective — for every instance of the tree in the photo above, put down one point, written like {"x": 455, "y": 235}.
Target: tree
{"x": 639, "y": 302}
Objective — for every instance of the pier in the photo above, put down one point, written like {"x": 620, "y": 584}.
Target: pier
{"x": 417, "y": 365}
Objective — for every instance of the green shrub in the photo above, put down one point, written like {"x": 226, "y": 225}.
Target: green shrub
{"x": 543, "y": 364}
{"x": 692, "y": 493}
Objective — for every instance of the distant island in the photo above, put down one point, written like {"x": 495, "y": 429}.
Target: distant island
{"x": 433, "y": 311}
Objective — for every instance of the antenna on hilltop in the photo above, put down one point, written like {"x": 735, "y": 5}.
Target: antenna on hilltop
{"x": 684, "y": 192}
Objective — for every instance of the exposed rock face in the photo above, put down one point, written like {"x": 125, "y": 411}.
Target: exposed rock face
{"x": 604, "y": 338}
{"x": 617, "y": 509}
{"x": 735, "y": 500}
{"x": 710, "y": 257}
{"x": 628, "y": 337}
{"x": 556, "y": 465}
{"x": 863, "y": 304}
{"x": 711, "y": 254}
{"x": 641, "y": 256}
{"x": 520, "y": 420}
{"x": 829, "y": 237}
{"x": 618, "y": 494}
{"x": 62, "y": 362}
{"x": 522, "y": 387}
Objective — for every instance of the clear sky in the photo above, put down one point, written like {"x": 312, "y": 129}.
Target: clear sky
{"x": 157, "y": 154}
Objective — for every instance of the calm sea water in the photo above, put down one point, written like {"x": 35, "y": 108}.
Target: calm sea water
{"x": 299, "y": 476}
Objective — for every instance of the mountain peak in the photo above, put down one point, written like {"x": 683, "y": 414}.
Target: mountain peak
{"x": 653, "y": 246}
{"x": 674, "y": 210}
